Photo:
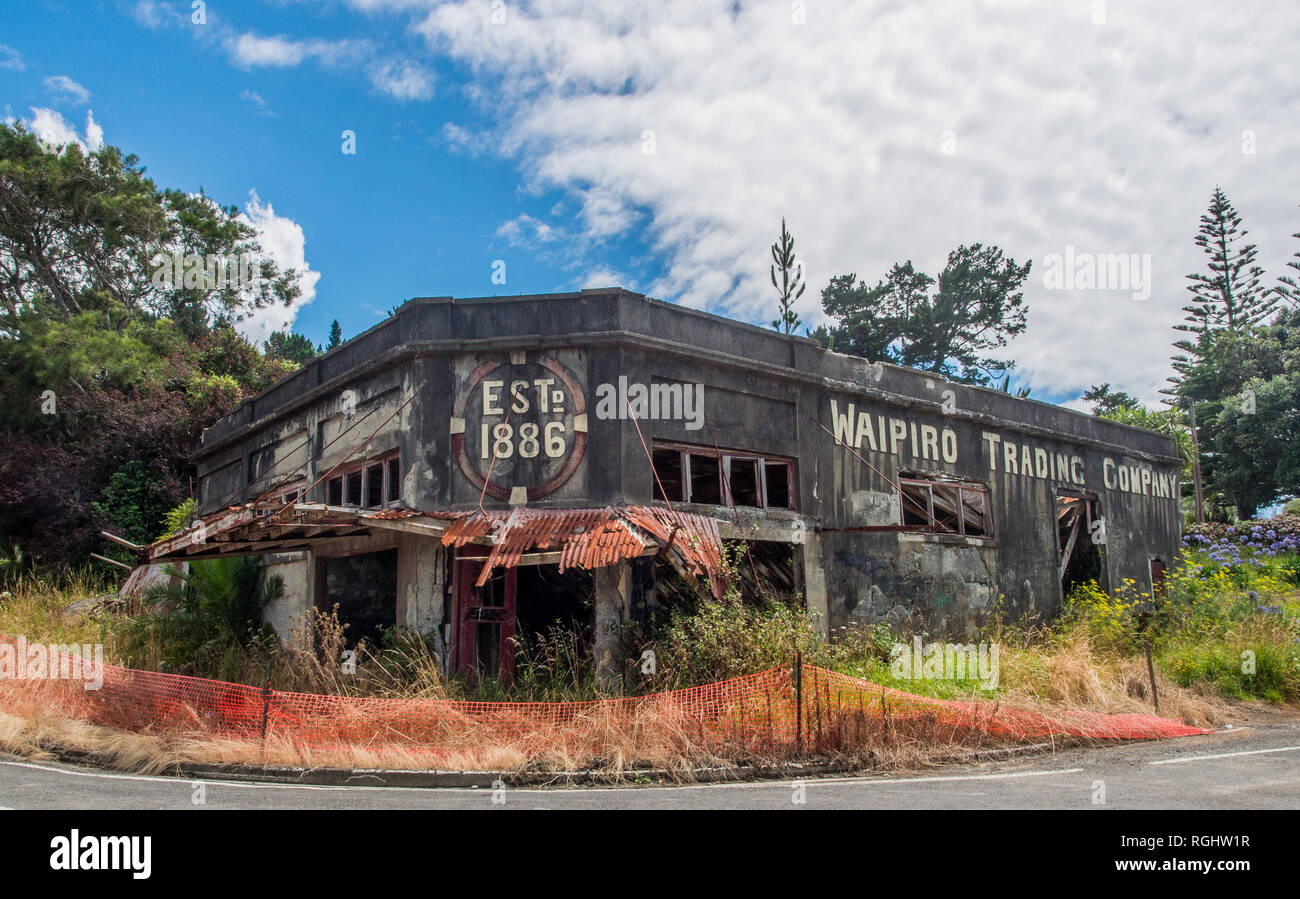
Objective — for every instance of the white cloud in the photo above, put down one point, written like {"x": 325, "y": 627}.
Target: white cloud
{"x": 283, "y": 240}
{"x": 403, "y": 80}
{"x": 457, "y": 138}
{"x": 251, "y": 51}
{"x": 155, "y": 14}
{"x": 257, "y": 100}
{"x": 604, "y": 276}
{"x": 11, "y": 58}
{"x": 530, "y": 233}
{"x": 55, "y": 132}
{"x": 94, "y": 133}
{"x": 1108, "y": 138}
{"x": 66, "y": 87}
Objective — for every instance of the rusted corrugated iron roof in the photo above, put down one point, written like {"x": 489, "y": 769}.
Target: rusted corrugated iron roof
{"x": 585, "y": 538}
{"x": 593, "y": 538}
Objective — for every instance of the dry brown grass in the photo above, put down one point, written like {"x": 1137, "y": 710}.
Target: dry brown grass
{"x": 1071, "y": 674}
{"x": 48, "y": 720}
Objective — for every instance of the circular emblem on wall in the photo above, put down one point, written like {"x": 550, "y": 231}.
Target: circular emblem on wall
{"x": 519, "y": 426}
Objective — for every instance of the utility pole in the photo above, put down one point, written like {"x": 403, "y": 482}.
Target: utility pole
{"x": 1196, "y": 465}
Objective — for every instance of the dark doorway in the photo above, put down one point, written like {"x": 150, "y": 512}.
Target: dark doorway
{"x": 1078, "y": 522}
{"x": 552, "y": 599}
{"x": 1157, "y": 579}
{"x": 365, "y": 589}
{"x": 484, "y": 646}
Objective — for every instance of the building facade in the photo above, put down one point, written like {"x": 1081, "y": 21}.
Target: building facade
{"x": 478, "y": 468}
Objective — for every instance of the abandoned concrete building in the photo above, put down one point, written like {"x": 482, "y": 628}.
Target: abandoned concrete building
{"x": 481, "y": 469}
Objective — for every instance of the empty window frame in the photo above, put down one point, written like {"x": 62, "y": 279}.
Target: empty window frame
{"x": 367, "y": 485}
{"x": 690, "y": 474}
{"x": 669, "y": 484}
{"x": 945, "y": 507}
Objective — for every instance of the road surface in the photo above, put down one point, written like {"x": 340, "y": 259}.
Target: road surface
{"x": 1252, "y": 767}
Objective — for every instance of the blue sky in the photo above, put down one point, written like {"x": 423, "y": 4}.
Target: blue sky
{"x": 597, "y": 142}
{"x": 405, "y": 216}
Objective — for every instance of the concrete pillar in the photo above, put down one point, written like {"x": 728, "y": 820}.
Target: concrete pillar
{"x": 421, "y": 587}
{"x": 808, "y": 556}
{"x": 613, "y": 593}
{"x": 298, "y": 572}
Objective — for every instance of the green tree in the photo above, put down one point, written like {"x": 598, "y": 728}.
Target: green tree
{"x": 1241, "y": 385}
{"x": 1256, "y": 442}
{"x": 977, "y": 307}
{"x": 1104, "y": 400}
{"x": 336, "y": 335}
{"x": 1288, "y": 288}
{"x": 791, "y": 286}
{"x": 1170, "y": 422}
{"x": 292, "y": 347}
{"x": 1226, "y": 297}
{"x": 106, "y": 357}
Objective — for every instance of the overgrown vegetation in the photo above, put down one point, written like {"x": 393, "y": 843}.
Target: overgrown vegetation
{"x": 110, "y": 365}
{"x": 1226, "y": 629}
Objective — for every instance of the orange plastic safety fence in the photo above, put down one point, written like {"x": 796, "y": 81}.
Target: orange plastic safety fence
{"x": 774, "y": 712}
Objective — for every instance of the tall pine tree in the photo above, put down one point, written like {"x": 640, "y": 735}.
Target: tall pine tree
{"x": 792, "y": 284}
{"x": 1290, "y": 289}
{"x": 1228, "y": 297}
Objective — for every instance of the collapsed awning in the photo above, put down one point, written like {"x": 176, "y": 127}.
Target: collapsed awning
{"x": 592, "y": 538}
{"x": 586, "y": 538}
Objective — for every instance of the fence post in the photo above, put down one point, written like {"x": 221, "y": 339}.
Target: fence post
{"x": 1151, "y": 671}
{"x": 798, "y": 703}
{"x": 266, "y": 698}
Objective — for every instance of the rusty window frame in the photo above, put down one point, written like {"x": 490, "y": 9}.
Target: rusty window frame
{"x": 360, "y": 470}
{"x": 761, "y": 461}
{"x": 959, "y": 489}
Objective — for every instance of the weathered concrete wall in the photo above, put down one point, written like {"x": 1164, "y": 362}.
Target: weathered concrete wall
{"x": 763, "y": 392}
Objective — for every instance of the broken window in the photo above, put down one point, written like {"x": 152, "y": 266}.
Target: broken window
{"x": 368, "y": 485}
{"x": 706, "y": 479}
{"x": 744, "y": 483}
{"x": 394, "y": 480}
{"x": 374, "y": 487}
{"x": 974, "y": 511}
{"x": 915, "y": 500}
{"x": 777, "y": 478}
{"x": 945, "y": 507}
{"x": 668, "y": 475}
{"x": 685, "y": 473}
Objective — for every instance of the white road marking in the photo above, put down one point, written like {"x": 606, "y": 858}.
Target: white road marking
{"x": 170, "y": 780}
{"x": 885, "y": 781}
{"x": 1224, "y": 755}
{"x": 811, "y": 781}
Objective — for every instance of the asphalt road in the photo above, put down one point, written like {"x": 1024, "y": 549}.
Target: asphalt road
{"x": 1255, "y": 767}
